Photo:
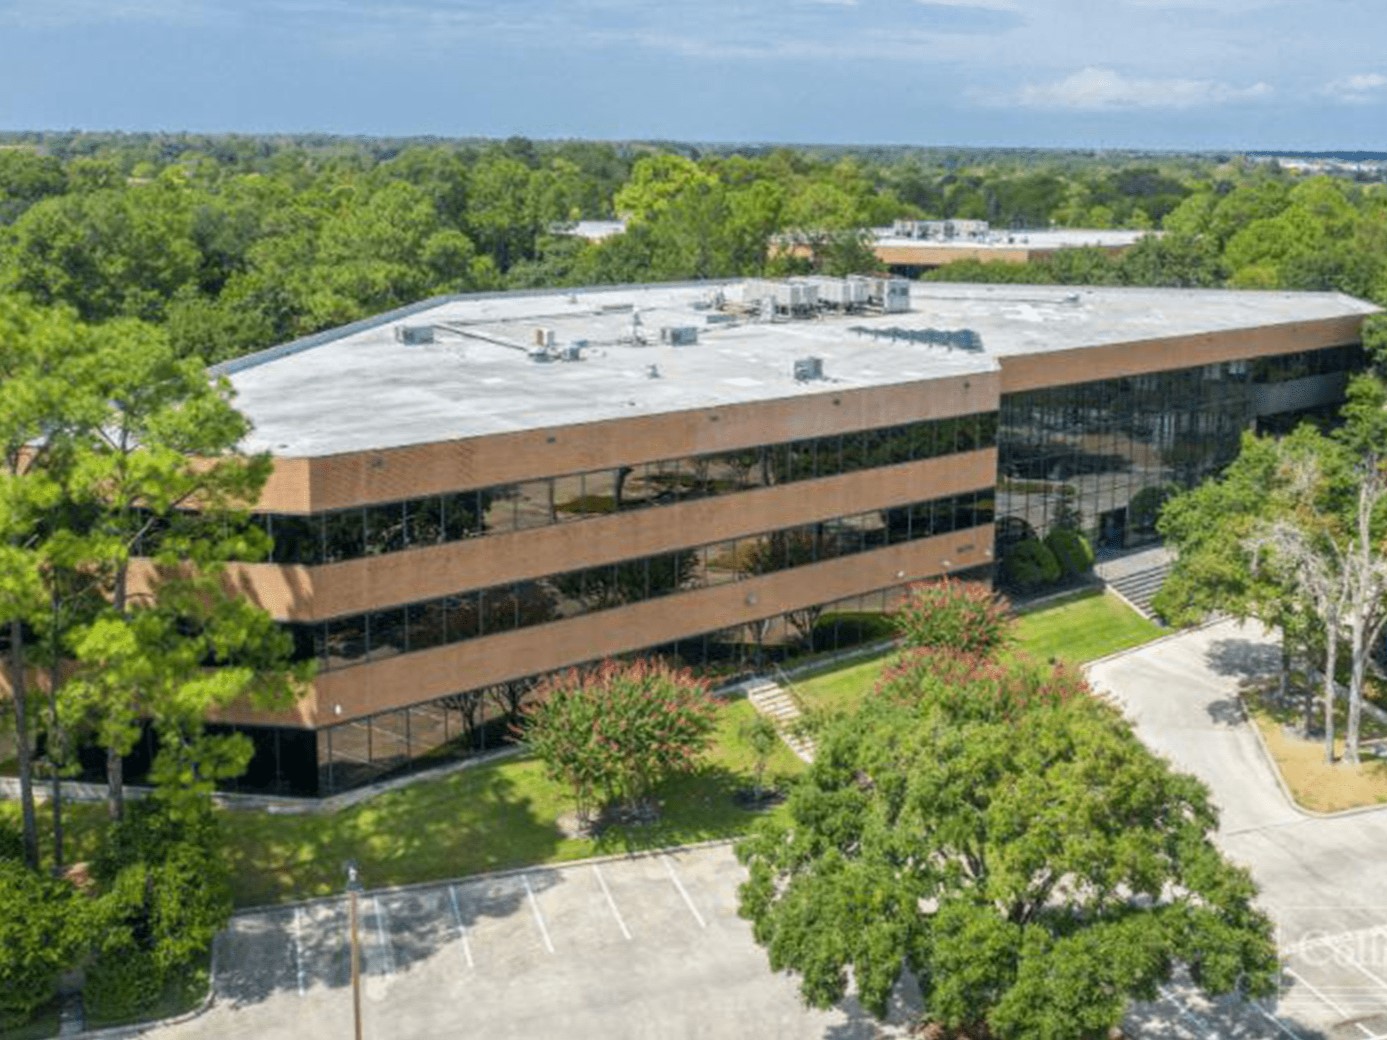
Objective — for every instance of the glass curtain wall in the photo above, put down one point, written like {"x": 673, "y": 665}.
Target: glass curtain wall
{"x": 1103, "y": 457}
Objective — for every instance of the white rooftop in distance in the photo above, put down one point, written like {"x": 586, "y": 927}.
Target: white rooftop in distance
{"x": 358, "y": 388}
{"x": 1045, "y": 238}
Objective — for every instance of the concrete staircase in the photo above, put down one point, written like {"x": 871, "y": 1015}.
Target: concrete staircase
{"x": 1136, "y": 576}
{"x": 1139, "y": 588}
{"x": 779, "y": 705}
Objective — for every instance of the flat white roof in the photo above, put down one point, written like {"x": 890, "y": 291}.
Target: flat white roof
{"x": 358, "y": 388}
{"x": 1045, "y": 238}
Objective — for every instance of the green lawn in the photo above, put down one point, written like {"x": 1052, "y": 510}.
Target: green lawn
{"x": 486, "y": 818}
{"x": 1084, "y": 627}
{"x": 1077, "y": 629}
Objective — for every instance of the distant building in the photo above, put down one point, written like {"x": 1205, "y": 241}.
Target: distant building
{"x": 911, "y": 247}
{"x": 471, "y": 493}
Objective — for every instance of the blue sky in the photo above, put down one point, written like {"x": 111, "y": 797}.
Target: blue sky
{"x": 1302, "y": 74}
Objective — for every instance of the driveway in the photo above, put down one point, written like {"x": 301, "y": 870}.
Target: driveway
{"x": 1322, "y": 879}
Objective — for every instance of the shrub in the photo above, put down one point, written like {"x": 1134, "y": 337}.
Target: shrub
{"x": 11, "y": 842}
{"x": 954, "y": 615}
{"x": 42, "y": 927}
{"x": 1072, "y": 551}
{"x": 1030, "y": 565}
{"x": 614, "y": 731}
{"x": 122, "y": 985}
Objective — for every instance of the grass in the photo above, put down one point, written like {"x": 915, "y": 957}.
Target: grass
{"x": 492, "y": 817}
{"x": 1314, "y": 783}
{"x": 1083, "y": 627}
{"x": 1076, "y": 629}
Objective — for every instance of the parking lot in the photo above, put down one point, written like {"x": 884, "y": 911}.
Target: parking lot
{"x": 638, "y": 947}
{"x": 651, "y": 945}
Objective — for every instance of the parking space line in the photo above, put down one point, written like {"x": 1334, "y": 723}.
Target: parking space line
{"x": 383, "y": 937}
{"x": 298, "y": 947}
{"x": 610, "y": 901}
{"x": 688, "y": 901}
{"x": 1354, "y": 962}
{"x": 539, "y": 918}
{"x": 462, "y": 928}
{"x": 1276, "y": 1021}
{"x": 1196, "y": 1022}
{"x": 1332, "y": 1006}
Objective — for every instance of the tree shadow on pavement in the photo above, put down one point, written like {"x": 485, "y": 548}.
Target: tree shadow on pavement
{"x": 1243, "y": 657}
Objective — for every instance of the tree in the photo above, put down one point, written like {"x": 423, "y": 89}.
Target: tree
{"x": 954, "y": 615}
{"x": 1215, "y": 568}
{"x": 614, "y": 731}
{"x": 762, "y": 739}
{"x": 1327, "y": 534}
{"x": 162, "y": 473}
{"x": 1001, "y": 835}
{"x": 38, "y": 408}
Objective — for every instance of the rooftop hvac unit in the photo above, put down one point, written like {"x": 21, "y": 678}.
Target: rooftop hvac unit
{"x": 413, "y": 335}
{"x": 797, "y": 296}
{"x": 892, "y": 295}
{"x": 841, "y": 293}
{"x": 544, "y": 337}
{"x": 679, "y": 335}
{"x": 808, "y": 368}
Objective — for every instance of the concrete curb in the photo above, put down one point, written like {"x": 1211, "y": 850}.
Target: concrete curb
{"x": 1270, "y": 759}
{"x": 415, "y": 886}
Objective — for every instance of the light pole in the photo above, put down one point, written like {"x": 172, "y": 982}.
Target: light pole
{"x": 353, "y": 891}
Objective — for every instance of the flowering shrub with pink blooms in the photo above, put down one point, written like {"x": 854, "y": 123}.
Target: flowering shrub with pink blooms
{"x": 614, "y": 731}
{"x": 955, "y": 615}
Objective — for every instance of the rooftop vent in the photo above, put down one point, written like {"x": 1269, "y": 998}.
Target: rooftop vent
{"x": 413, "y": 335}
{"x": 808, "y": 369}
{"x": 679, "y": 335}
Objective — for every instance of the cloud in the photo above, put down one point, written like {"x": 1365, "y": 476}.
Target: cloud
{"x": 1100, "y": 89}
{"x": 1358, "y": 89}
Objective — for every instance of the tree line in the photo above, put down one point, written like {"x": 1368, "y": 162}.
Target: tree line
{"x": 236, "y": 243}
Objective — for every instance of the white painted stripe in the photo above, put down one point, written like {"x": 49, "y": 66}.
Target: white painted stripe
{"x": 1332, "y": 1006}
{"x": 298, "y": 948}
{"x": 383, "y": 937}
{"x": 669, "y": 866}
{"x": 1353, "y": 961}
{"x": 1276, "y": 1022}
{"x": 1198, "y": 1023}
{"x": 462, "y": 928}
{"x": 539, "y": 918}
{"x": 610, "y": 901}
